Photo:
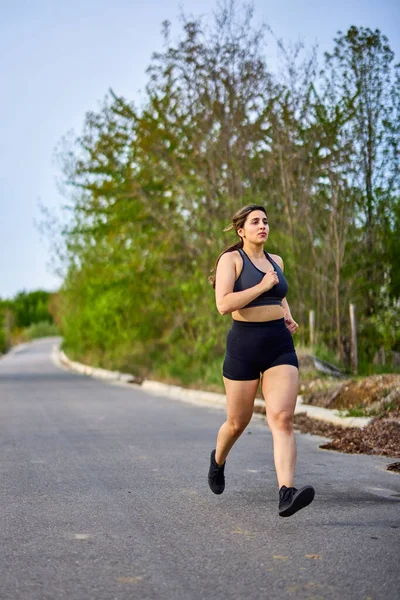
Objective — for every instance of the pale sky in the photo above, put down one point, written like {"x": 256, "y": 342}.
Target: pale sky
{"x": 58, "y": 60}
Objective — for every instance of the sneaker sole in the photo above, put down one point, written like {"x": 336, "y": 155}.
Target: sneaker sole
{"x": 217, "y": 491}
{"x": 301, "y": 499}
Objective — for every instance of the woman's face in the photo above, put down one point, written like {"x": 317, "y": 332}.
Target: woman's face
{"x": 256, "y": 228}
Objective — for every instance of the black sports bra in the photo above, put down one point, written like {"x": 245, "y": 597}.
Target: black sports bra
{"x": 251, "y": 276}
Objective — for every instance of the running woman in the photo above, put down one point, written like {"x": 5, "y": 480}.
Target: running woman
{"x": 250, "y": 285}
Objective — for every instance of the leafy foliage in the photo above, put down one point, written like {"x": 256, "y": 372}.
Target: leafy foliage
{"x": 31, "y": 307}
{"x": 153, "y": 188}
{"x": 26, "y": 316}
{"x": 40, "y": 330}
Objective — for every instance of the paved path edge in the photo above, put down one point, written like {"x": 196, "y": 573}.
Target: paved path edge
{"x": 61, "y": 360}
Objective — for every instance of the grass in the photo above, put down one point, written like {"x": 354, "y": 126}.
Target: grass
{"x": 184, "y": 371}
{"x": 354, "y": 412}
{"x": 39, "y": 330}
{"x": 206, "y": 372}
{"x": 365, "y": 369}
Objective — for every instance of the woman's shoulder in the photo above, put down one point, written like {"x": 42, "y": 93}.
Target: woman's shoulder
{"x": 231, "y": 257}
{"x": 277, "y": 259}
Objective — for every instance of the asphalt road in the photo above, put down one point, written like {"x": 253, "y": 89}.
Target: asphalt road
{"x": 104, "y": 496}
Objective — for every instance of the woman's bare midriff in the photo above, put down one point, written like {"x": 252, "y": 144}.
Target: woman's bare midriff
{"x": 259, "y": 314}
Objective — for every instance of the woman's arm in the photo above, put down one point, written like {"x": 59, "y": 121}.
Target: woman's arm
{"x": 286, "y": 308}
{"x": 289, "y": 321}
{"x": 226, "y": 299}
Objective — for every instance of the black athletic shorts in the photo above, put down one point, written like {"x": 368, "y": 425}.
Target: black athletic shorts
{"x": 252, "y": 348}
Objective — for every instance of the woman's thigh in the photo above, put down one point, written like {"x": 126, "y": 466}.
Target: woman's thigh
{"x": 280, "y": 386}
{"x": 240, "y": 397}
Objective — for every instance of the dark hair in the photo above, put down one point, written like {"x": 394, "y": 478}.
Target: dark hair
{"x": 238, "y": 221}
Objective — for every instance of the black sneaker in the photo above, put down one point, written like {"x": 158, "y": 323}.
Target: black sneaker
{"x": 216, "y": 477}
{"x": 291, "y": 499}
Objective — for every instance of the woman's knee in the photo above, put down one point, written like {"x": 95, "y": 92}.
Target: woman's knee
{"x": 237, "y": 426}
{"x": 281, "y": 421}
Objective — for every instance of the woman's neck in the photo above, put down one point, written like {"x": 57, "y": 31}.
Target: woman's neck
{"x": 254, "y": 250}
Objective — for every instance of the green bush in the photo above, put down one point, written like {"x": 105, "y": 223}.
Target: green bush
{"x": 31, "y": 307}
{"x": 3, "y": 345}
{"x": 182, "y": 369}
{"x": 39, "y": 330}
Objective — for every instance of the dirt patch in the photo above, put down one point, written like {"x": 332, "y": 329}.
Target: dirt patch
{"x": 305, "y": 424}
{"x": 377, "y": 395}
{"x": 374, "y": 392}
{"x": 381, "y": 437}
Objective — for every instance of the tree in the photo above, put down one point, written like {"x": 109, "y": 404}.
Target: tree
{"x": 153, "y": 188}
{"x": 360, "y": 66}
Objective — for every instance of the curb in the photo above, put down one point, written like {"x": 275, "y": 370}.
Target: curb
{"x": 60, "y": 359}
{"x": 330, "y": 416}
{"x": 199, "y": 397}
